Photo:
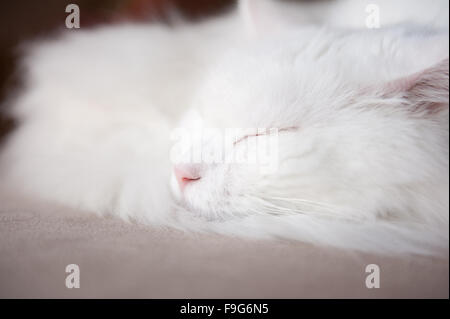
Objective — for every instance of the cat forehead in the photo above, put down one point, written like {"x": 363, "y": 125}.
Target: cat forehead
{"x": 265, "y": 90}
{"x": 287, "y": 79}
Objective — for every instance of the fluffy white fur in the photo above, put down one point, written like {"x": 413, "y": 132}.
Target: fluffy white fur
{"x": 366, "y": 167}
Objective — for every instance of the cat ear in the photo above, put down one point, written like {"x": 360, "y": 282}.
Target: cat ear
{"x": 424, "y": 91}
{"x": 260, "y": 16}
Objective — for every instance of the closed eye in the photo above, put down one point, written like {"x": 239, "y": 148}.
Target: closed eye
{"x": 286, "y": 129}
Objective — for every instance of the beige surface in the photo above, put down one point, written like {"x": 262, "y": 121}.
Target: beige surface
{"x": 121, "y": 260}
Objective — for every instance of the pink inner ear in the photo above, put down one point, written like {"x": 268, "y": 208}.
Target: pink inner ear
{"x": 435, "y": 77}
{"x": 403, "y": 84}
{"x": 427, "y": 89}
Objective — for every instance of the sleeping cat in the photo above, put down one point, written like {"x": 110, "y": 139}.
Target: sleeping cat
{"x": 361, "y": 118}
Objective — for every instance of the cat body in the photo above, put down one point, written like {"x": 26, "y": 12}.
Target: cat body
{"x": 362, "y": 119}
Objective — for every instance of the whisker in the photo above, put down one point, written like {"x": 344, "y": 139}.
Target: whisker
{"x": 328, "y": 211}
{"x": 321, "y": 204}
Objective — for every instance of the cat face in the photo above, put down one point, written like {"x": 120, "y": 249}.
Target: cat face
{"x": 342, "y": 149}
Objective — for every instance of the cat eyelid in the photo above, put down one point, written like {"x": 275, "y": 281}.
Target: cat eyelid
{"x": 285, "y": 129}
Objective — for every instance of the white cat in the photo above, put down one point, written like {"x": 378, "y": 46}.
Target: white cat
{"x": 362, "y": 118}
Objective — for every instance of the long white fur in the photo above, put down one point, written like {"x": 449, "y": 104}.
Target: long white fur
{"x": 367, "y": 168}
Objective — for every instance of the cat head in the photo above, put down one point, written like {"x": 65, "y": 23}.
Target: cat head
{"x": 341, "y": 148}
{"x": 335, "y": 144}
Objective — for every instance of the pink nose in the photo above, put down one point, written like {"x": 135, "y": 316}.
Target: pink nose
{"x": 186, "y": 173}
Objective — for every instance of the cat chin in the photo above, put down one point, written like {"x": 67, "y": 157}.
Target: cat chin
{"x": 208, "y": 208}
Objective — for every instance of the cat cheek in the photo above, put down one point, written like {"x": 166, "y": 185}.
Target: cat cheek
{"x": 175, "y": 188}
